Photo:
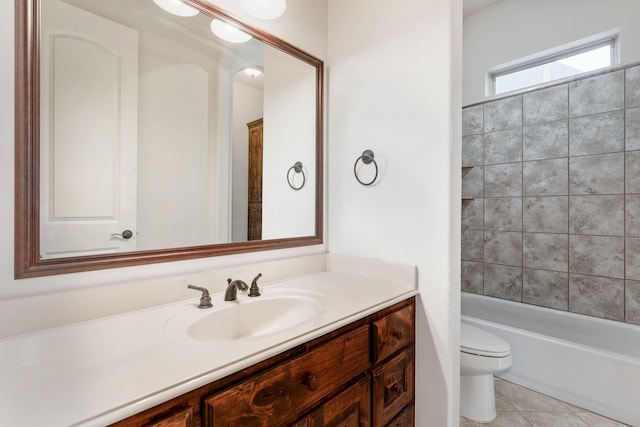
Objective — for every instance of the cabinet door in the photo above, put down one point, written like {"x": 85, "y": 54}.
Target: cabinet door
{"x": 254, "y": 181}
{"x": 351, "y": 408}
{"x": 392, "y": 387}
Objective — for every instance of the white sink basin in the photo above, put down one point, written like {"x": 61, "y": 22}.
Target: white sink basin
{"x": 254, "y": 317}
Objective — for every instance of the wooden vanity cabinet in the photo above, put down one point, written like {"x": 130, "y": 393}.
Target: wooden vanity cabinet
{"x": 359, "y": 375}
{"x": 273, "y": 397}
{"x": 180, "y": 418}
{"x": 351, "y": 408}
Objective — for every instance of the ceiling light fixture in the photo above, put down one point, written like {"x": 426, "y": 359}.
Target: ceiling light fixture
{"x": 177, "y": 7}
{"x": 264, "y": 9}
{"x": 229, "y": 32}
{"x": 253, "y": 71}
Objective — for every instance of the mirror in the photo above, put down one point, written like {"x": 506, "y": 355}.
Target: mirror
{"x": 143, "y": 137}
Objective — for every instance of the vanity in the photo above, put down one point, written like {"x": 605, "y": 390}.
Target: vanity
{"x": 361, "y": 374}
{"x": 330, "y": 340}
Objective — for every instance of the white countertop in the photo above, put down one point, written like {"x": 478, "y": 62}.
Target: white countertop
{"x": 97, "y": 372}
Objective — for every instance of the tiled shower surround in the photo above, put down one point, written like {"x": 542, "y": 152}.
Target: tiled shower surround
{"x": 555, "y": 182}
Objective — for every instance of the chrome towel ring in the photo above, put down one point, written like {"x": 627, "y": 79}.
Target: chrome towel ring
{"x": 367, "y": 157}
{"x": 296, "y": 168}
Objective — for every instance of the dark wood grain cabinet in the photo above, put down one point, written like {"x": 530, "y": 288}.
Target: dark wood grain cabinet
{"x": 359, "y": 375}
{"x": 179, "y": 418}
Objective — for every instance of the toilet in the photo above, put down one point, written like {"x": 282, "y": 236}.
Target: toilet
{"x": 482, "y": 354}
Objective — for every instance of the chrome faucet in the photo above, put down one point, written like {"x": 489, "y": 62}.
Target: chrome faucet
{"x": 232, "y": 289}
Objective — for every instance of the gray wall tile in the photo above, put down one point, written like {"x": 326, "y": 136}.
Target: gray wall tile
{"x": 632, "y": 87}
{"x": 596, "y": 296}
{"x": 472, "y": 215}
{"x": 546, "y": 288}
{"x": 599, "y": 174}
{"x": 632, "y": 302}
{"x": 503, "y": 146}
{"x": 503, "y": 180}
{"x": 597, "y": 94}
{"x": 632, "y": 129}
{"x": 547, "y": 251}
{"x": 597, "y": 255}
{"x": 632, "y": 172}
{"x": 600, "y": 133}
{"x": 632, "y": 215}
{"x": 545, "y": 177}
{"x": 472, "y": 277}
{"x": 472, "y": 182}
{"x": 472, "y": 150}
{"x": 503, "y": 247}
{"x": 472, "y": 242}
{"x": 596, "y": 215}
{"x": 503, "y": 114}
{"x": 556, "y": 216}
{"x": 633, "y": 258}
{"x": 503, "y": 281}
{"x": 547, "y": 214}
{"x": 545, "y": 141}
{"x": 472, "y": 120}
{"x": 546, "y": 105}
{"x": 503, "y": 214}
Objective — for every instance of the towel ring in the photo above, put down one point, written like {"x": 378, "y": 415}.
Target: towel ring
{"x": 297, "y": 168}
{"x": 367, "y": 157}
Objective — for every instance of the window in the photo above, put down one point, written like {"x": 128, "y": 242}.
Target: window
{"x": 565, "y": 61}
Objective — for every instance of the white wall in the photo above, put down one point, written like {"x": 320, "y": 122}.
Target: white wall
{"x": 512, "y": 29}
{"x": 287, "y": 86}
{"x": 174, "y": 139}
{"x": 303, "y": 25}
{"x": 394, "y": 88}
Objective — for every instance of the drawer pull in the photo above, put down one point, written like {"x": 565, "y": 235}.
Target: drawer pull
{"x": 312, "y": 382}
{"x": 395, "y": 389}
{"x": 396, "y": 333}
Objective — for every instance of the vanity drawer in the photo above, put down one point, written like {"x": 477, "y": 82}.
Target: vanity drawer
{"x": 403, "y": 419}
{"x": 273, "y": 397}
{"x": 351, "y": 408}
{"x": 181, "y": 418}
{"x": 392, "y": 332}
{"x": 393, "y": 387}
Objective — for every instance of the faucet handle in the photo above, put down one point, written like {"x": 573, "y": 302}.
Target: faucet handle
{"x": 205, "y": 299}
{"x": 254, "y": 291}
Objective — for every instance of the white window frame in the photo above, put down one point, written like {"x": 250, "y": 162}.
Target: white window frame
{"x": 608, "y": 38}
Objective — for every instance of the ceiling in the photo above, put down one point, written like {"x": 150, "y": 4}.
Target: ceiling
{"x": 472, "y": 6}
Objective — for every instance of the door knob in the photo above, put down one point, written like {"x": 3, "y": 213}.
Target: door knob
{"x": 126, "y": 234}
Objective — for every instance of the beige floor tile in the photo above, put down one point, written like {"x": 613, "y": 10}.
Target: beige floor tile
{"x": 465, "y": 422}
{"x": 502, "y": 404}
{"x": 518, "y": 406}
{"x": 595, "y": 420}
{"x": 575, "y": 408}
{"x": 554, "y": 419}
{"x": 528, "y": 400}
{"x": 507, "y": 419}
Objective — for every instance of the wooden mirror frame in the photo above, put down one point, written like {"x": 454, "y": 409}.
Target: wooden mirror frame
{"x": 27, "y": 160}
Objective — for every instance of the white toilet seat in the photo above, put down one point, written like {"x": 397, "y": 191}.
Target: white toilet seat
{"x": 482, "y": 343}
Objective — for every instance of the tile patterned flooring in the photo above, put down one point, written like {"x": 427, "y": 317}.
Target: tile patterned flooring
{"x": 518, "y": 406}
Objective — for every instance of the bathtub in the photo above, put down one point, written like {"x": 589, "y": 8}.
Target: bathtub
{"x": 589, "y": 362}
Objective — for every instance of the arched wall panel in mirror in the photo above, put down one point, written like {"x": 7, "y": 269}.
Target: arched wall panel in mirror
{"x": 132, "y": 138}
